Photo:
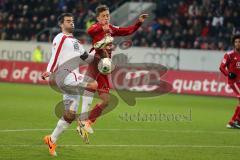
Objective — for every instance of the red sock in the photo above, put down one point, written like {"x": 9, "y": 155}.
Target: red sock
{"x": 236, "y": 115}
{"x": 95, "y": 113}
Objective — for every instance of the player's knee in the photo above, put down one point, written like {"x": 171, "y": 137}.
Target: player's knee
{"x": 105, "y": 99}
{"x": 69, "y": 116}
{"x": 105, "y": 102}
{"x": 92, "y": 85}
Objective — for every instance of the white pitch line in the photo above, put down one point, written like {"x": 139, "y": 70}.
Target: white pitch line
{"x": 125, "y": 145}
{"x": 118, "y": 129}
{"x": 171, "y": 131}
{"x": 24, "y": 130}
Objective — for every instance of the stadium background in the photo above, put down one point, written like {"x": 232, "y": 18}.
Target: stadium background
{"x": 188, "y": 36}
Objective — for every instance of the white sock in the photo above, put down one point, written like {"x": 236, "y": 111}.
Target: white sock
{"x": 87, "y": 99}
{"x": 61, "y": 126}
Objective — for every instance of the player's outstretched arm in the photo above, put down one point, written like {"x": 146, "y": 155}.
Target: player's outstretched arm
{"x": 125, "y": 31}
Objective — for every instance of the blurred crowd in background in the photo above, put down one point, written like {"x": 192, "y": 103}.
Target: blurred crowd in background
{"x": 197, "y": 24}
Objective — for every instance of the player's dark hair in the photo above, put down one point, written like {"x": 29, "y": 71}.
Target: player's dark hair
{"x": 61, "y": 17}
{"x": 234, "y": 37}
{"x": 100, "y": 9}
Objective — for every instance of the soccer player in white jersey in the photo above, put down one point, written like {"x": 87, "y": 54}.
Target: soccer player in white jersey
{"x": 64, "y": 48}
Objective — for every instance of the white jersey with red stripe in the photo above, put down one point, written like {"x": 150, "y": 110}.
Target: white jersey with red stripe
{"x": 64, "y": 48}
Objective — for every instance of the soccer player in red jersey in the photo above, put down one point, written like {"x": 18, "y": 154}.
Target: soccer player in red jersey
{"x": 99, "y": 32}
{"x": 230, "y": 67}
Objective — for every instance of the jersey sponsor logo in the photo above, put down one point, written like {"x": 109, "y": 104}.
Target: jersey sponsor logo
{"x": 238, "y": 64}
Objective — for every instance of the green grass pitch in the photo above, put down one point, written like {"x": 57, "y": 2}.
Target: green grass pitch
{"x": 27, "y": 114}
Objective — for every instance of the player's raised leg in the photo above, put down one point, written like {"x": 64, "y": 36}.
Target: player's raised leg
{"x": 103, "y": 91}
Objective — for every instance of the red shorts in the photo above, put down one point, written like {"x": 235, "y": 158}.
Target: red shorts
{"x": 102, "y": 80}
{"x": 236, "y": 88}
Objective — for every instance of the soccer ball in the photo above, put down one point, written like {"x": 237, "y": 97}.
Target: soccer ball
{"x": 105, "y": 66}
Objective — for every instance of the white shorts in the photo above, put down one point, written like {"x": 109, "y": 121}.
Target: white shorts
{"x": 73, "y": 79}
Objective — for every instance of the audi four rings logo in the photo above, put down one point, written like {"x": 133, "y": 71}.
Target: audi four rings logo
{"x": 169, "y": 60}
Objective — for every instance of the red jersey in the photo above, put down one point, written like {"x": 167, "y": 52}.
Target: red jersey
{"x": 231, "y": 63}
{"x": 96, "y": 31}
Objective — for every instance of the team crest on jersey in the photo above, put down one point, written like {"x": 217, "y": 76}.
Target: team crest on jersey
{"x": 75, "y": 45}
{"x": 238, "y": 64}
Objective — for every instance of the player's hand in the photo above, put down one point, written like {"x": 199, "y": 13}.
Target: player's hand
{"x": 45, "y": 75}
{"x": 142, "y": 17}
{"x": 232, "y": 75}
{"x": 106, "y": 28}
